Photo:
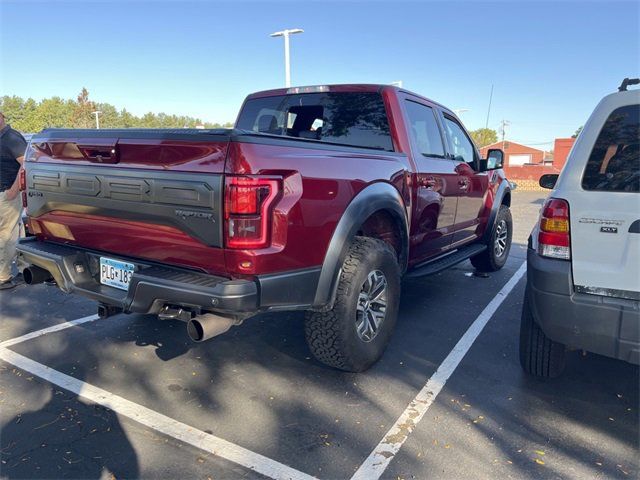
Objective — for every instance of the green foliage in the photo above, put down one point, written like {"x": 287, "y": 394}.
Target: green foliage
{"x": 29, "y": 116}
{"x": 484, "y": 136}
{"x": 577, "y": 132}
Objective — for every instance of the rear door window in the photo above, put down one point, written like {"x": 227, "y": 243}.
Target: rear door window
{"x": 425, "y": 130}
{"x": 356, "y": 119}
{"x": 614, "y": 163}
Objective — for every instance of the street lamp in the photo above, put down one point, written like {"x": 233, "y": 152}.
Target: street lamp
{"x": 287, "y": 66}
{"x": 96, "y": 113}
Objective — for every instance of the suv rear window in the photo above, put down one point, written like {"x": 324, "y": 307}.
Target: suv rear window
{"x": 354, "y": 119}
{"x": 614, "y": 163}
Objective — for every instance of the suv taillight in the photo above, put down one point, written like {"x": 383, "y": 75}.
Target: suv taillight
{"x": 22, "y": 184}
{"x": 247, "y": 211}
{"x": 553, "y": 238}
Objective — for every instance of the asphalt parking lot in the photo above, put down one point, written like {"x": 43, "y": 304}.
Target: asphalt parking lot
{"x": 131, "y": 396}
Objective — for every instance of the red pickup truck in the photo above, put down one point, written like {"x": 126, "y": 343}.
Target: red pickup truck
{"x": 320, "y": 199}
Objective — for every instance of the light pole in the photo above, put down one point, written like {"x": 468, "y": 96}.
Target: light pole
{"x": 287, "y": 66}
{"x": 96, "y": 113}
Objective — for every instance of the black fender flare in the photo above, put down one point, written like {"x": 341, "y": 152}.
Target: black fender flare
{"x": 373, "y": 198}
{"x": 503, "y": 189}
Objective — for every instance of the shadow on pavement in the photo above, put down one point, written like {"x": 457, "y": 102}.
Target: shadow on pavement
{"x": 67, "y": 438}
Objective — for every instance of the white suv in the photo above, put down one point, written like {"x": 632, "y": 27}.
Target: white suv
{"x": 583, "y": 260}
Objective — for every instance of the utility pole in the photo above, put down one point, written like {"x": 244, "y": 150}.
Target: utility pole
{"x": 486, "y": 125}
{"x": 287, "y": 63}
{"x": 503, "y": 130}
{"x": 96, "y": 113}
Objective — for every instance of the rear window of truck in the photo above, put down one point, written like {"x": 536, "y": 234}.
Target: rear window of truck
{"x": 614, "y": 163}
{"x": 346, "y": 118}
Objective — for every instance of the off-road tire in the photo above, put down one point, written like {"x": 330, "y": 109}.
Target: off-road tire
{"x": 539, "y": 355}
{"x": 332, "y": 336}
{"x": 488, "y": 260}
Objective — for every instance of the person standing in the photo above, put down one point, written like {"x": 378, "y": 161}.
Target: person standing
{"x": 12, "y": 148}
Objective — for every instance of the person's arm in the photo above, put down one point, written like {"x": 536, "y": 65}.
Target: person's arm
{"x": 17, "y": 146}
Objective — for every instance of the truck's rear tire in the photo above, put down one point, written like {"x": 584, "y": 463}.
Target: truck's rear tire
{"x": 497, "y": 252}
{"x": 353, "y": 335}
{"x": 539, "y": 355}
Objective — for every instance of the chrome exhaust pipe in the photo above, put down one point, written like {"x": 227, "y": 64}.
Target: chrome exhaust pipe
{"x": 33, "y": 275}
{"x": 209, "y": 325}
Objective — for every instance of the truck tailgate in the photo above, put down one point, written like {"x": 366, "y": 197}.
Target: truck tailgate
{"x": 150, "y": 194}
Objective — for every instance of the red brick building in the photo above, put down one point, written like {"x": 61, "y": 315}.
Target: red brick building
{"x": 561, "y": 149}
{"x": 525, "y": 165}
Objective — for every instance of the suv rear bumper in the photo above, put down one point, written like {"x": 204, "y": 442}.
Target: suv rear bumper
{"x": 603, "y": 325}
{"x": 76, "y": 270}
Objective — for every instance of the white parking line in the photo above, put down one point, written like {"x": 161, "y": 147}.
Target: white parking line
{"x": 372, "y": 468}
{"x": 143, "y": 415}
{"x": 381, "y": 456}
{"x": 44, "y": 331}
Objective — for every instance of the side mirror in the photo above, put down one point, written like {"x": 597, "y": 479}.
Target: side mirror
{"x": 548, "y": 180}
{"x": 494, "y": 160}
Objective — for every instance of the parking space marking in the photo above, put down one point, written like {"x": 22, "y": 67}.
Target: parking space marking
{"x": 381, "y": 456}
{"x": 143, "y": 415}
{"x": 44, "y": 331}
{"x": 157, "y": 421}
{"x": 371, "y": 469}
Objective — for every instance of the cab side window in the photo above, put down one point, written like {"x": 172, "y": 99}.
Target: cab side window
{"x": 425, "y": 130}
{"x": 461, "y": 144}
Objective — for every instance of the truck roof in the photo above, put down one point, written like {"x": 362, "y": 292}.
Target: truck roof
{"x": 341, "y": 87}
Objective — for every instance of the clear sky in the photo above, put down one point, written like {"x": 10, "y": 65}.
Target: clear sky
{"x": 549, "y": 62}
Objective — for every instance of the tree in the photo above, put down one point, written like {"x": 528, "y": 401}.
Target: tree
{"x": 30, "y": 116}
{"x": 577, "y": 132}
{"x": 82, "y": 116}
{"x": 484, "y": 136}
{"x": 53, "y": 113}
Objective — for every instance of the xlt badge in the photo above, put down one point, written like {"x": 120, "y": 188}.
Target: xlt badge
{"x": 609, "y": 229}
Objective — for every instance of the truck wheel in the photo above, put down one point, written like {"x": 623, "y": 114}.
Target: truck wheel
{"x": 353, "y": 335}
{"x": 497, "y": 252}
{"x": 539, "y": 355}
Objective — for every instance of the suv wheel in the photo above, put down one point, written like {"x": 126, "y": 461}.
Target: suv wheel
{"x": 539, "y": 355}
{"x": 497, "y": 252}
{"x": 353, "y": 335}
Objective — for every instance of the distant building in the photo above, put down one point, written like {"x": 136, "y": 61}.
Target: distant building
{"x": 561, "y": 149}
{"x": 516, "y": 154}
{"x": 525, "y": 165}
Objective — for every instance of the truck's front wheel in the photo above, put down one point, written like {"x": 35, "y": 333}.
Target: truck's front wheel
{"x": 497, "y": 252}
{"x": 353, "y": 335}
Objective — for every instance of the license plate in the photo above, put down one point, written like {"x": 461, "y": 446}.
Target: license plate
{"x": 115, "y": 273}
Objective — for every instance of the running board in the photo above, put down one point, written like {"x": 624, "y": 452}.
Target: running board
{"x": 442, "y": 263}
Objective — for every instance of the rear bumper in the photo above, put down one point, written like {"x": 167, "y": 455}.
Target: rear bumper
{"x": 151, "y": 287}
{"x": 603, "y": 325}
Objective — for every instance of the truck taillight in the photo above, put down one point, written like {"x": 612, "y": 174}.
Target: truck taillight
{"x": 22, "y": 184}
{"x": 22, "y": 180}
{"x": 248, "y": 202}
{"x": 553, "y": 238}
